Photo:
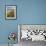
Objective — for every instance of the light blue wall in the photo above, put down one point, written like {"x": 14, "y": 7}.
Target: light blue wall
{"x": 28, "y": 12}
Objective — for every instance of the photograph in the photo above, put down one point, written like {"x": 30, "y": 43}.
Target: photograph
{"x": 10, "y": 12}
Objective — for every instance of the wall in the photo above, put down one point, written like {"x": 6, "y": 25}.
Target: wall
{"x": 28, "y": 12}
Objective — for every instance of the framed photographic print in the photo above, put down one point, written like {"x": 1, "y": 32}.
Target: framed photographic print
{"x": 10, "y": 12}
